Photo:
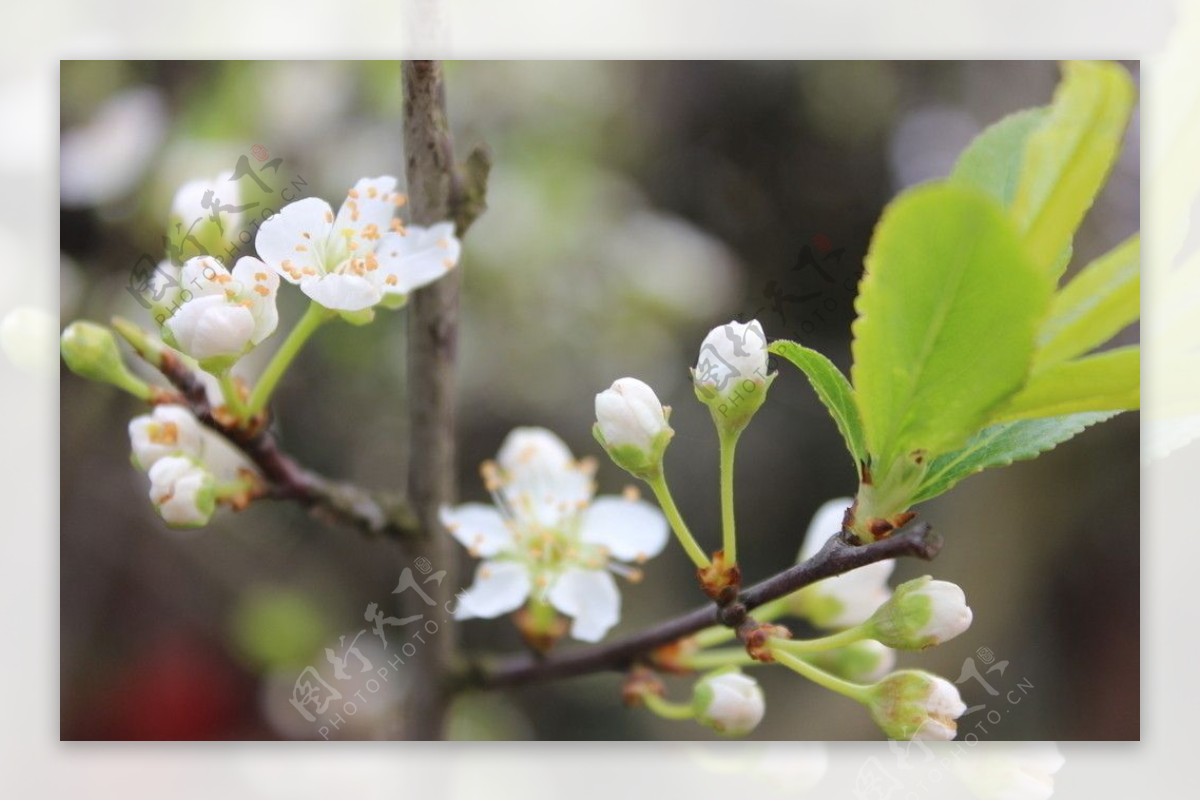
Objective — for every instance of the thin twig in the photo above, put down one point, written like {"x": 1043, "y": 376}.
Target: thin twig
{"x": 838, "y": 556}
{"x": 371, "y": 513}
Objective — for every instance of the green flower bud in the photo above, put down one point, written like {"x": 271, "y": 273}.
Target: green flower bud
{"x": 921, "y": 613}
{"x": 91, "y": 352}
{"x": 914, "y": 705}
{"x": 863, "y": 662}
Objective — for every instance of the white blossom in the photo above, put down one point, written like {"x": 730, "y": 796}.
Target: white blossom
{"x": 226, "y": 313}
{"x": 360, "y": 257}
{"x": 170, "y": 430}
{"x": 548, "y": 539}
{"x": 845, "y": 600}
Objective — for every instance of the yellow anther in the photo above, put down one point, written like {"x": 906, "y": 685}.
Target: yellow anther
{"x": 164, "y": 433}
{"x": 262, "y": 290}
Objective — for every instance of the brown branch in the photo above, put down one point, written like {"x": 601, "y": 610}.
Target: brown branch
{"x": 838, "y": 556}
{"x": 371, "y": 513}
{"x": 437, "y": 190}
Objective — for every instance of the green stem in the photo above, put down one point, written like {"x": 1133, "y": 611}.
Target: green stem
{"x": 670, "y": 710}
{"x": 233, "y": 398}
{"x": 306, "y": 326}
{"x": 814, "y": 674}
{"x": 697, "y": 555}
{"x": 721, "y": 657}
{"x": 729, "y": 440}
{"x": 828, "y": 643}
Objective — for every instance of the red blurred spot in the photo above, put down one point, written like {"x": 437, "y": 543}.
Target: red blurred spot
{"x": 821, "y": 243}
{"x": 176, "y": 688}
{"x": 260, "y": 152}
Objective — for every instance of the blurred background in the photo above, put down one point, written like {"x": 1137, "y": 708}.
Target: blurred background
{"x": 633, "y": 206}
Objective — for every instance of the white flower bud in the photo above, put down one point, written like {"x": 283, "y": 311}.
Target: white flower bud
{"x": 730, "y": 375}
{"x": 914, "y": 705}
{"x": 171, "y": 430}
{"x": 630, "y": 414}
{"x": 631, "y": 424}
{"x": 920, "y": 614}
{"x": 729, "y": 702}
{"x": 731, "y": 353}
{"x": 182, "y": 491}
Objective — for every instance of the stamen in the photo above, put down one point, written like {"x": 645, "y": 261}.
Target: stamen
{"x": 630, "y": 574}
{"x": 353, "y": 193}
{"x": 262, "y": 290}
{"x": 631, "y": 493}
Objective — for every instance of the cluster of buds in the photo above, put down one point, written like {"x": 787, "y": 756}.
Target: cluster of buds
{"x": 169, "y": 445}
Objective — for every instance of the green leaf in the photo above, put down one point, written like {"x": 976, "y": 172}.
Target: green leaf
{"x": 992, "y": 162}
{"x": 1000, "y": 445}
{"x": 948, "y": 312}
{"x": 1108, "y": 381}
{"x": 1069, "y": 156}
{"x": 834, "y": 391}
{"x": 1101, "y": 300}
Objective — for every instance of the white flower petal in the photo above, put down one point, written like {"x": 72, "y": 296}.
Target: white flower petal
{"x": 543, "y": 483}
{"x": 372, "y": 202}
{"x": 533, "y": 447}
{"x": 858, "y": 593}
{"x": 209, "y": 326}
{"x": 419, "y": 256}
{"x": 499, "y": 587}
{"x": 591, "y": 598}
{"x": 630, "y": 530}
{"x": 202, "y": 276}
{"x": 826, "y": 522}
{"x": 279, "y": 237}
{"x": 479, "y": 527}
{"x": 342, "y": 292}
{"x": 259, "y": 285}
